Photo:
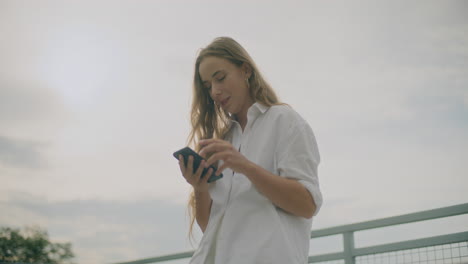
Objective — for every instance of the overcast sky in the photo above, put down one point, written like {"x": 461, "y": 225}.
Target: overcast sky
{"x": 95, "y": 97}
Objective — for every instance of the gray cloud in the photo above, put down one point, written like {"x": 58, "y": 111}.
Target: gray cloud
{"x": 104, "y": 231}
{"x": 26, "y": 102}
{"x": 113, "y": 231}
{"x": 30, "y": 115}
{"x": 384, "y": 86}
{"x": 20, "y": 153}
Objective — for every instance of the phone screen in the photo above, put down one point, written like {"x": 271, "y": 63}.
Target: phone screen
{"x": 197, "y": 159}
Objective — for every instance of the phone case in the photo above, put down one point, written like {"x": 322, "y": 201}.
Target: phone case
{"x": 186, "y": 152}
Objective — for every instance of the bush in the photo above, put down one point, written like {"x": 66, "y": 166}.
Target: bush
{"x": 32, "y": 245}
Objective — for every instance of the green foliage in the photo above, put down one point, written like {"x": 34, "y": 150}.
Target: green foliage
{"x": 32, "y": 245}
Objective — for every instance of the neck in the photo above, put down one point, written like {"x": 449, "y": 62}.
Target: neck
{"x": 241, "y": 117}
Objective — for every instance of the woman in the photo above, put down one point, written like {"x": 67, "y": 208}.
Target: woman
{"x": 261, "y": 210}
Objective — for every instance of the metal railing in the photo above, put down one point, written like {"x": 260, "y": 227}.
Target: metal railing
{"x": 425, "y": 250}
{"x": 350, "y": 252}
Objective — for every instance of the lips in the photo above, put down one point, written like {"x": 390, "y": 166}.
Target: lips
{"x": 225, "y": 101}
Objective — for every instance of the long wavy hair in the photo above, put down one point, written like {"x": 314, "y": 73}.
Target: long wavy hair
{"x": 210, "y": 120}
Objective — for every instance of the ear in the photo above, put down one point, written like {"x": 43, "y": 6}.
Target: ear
{"x": 247, "y": 69}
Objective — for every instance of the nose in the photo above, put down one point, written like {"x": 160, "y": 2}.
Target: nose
{"x": 215, "y": 91}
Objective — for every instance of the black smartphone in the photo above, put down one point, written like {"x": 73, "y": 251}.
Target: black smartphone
{"x": 197, "y": 159}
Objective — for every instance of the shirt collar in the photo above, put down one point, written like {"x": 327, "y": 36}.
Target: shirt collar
{"x": 254, "y": 111}
{"x": 259, "y": 106}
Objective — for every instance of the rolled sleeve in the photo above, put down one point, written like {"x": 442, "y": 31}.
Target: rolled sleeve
{"x": 298, "y": 158}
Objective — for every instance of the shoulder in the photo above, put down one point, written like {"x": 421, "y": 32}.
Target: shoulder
{"x": 285, "y": 115}
{"x": 293, "y": 132}
{"x": 289, "y": 124}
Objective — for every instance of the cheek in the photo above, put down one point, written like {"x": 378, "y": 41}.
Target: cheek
{"x": 210, "y": 94}
{"x": 237, "y": 86}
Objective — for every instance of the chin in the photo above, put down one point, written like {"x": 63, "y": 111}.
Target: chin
{"x": 232, "y": 111}
{"x": 229, "y": 109}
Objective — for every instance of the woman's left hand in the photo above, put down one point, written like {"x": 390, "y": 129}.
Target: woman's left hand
{"x": 223, "y": 150}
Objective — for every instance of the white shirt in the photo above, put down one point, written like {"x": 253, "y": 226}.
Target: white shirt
{"x": 246, "y": 227}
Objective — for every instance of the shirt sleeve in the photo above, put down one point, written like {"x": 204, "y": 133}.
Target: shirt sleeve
{"x": 298, "y": 158}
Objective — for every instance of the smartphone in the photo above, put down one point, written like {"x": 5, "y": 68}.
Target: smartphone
{"x": 197, "y": 159}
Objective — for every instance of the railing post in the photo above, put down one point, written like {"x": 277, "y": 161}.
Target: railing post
{"x": 348, "y": 246}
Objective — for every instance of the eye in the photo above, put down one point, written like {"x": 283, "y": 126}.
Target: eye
{"x": 206, "y": 85}
{"x": 222, "y": 78}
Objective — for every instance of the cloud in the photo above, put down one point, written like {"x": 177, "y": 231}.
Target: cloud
{"x": 103, "y": 231}
{"x": 21, "y": 153}
{"x": 383, "y": 86}
{"x": 113, "y": 231}
{"x": 29, "y": 109}
{"x": 23, "y": 102}
{"x": 372, "y": 60}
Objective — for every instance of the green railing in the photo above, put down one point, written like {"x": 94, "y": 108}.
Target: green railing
{"x": 456, "y": 244}
{"x": 350, "y": 252}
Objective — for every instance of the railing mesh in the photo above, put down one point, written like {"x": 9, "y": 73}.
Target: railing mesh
{"x": 442, "y": 254}
{"x": 454, "y": 253}
{"x": 331, "y": 262}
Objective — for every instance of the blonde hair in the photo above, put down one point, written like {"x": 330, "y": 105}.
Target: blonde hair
{"x": 210, "y": 120}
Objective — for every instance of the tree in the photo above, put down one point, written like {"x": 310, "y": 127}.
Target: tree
{"x": 32, "y": 245}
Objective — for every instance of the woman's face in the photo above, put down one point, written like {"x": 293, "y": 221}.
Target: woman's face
{"x": 226, "y": 83}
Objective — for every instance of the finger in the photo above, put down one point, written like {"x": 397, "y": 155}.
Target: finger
{"x": 221, "y": 169}
{"x": 208, "y": 148}
{"x": 215, "y": 147}
{"x": 199, "y": 171}
{"x": 182, "y": 164}
{"x": 216, "y": 157}
{"x": 204, "y": 142}
{"x": 208, "y": 175}
{"x": 202, "y": 152}
{"x": 190, "y": 164}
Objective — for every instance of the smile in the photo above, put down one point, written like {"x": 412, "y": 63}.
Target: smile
{"x": 225, "y": 101}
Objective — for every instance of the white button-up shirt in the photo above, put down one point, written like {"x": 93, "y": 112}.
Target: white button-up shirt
{"x": 244, "y": 226}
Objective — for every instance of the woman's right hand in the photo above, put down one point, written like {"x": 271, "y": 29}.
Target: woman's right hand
{"x": 199, "y": 183}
